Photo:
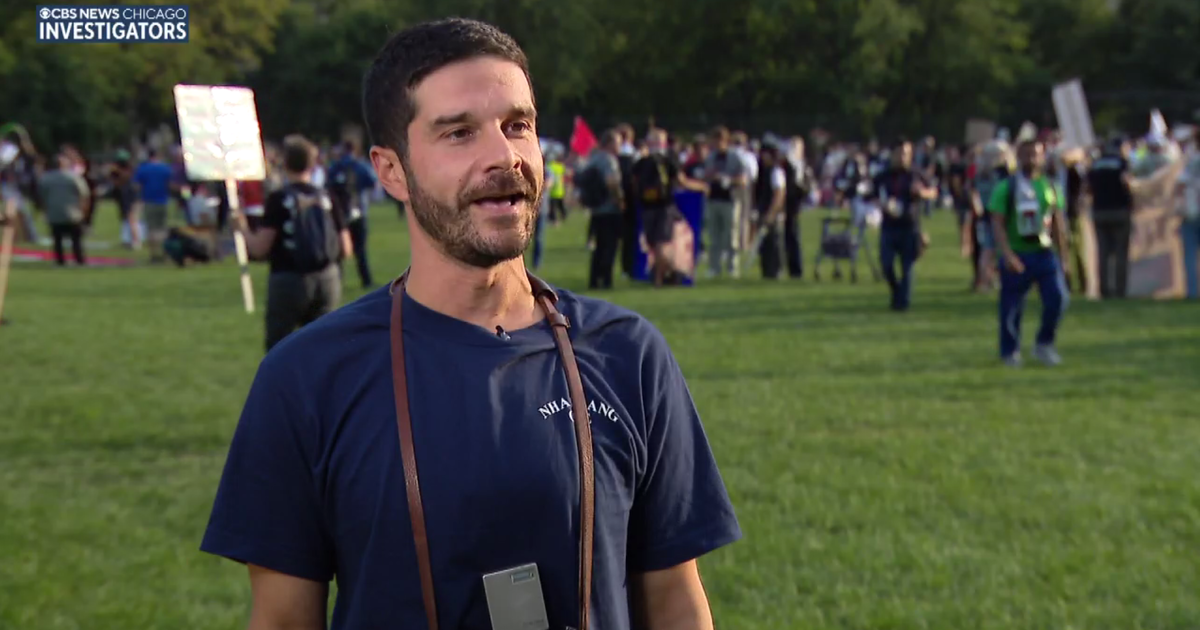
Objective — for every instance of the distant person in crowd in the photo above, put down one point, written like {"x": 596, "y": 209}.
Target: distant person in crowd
{"x": 801, "y": 181}
{"x": 602, "y": 174}
{"x": 1108, "y": 181}
{"x": 543, "y": 217}
{"x": 739, "y": 145}
{"x": 64, "y": 195}
{"x": 724, "y": 172}
{"x": 125, "y": 193}
{"x": 627, "y": 155}
{"x": 1027, "y": 222}
{"x": 966, "y": 204}
{"x": 771, "y": 189}
{"x": 18, "y": 182}
{"x": 656, "y": 177}
{"x": 313, "y": 487}
{"x": 303, "y": 236}
{"x": 558, "y": 188}
{"x": 900, "y": 191}
{"x": 153, "y": 178}
{"x": 352, "y": 182}
{"x": 1189, "y": 228}
{"x": 1074, "y": 176}
{"x": 930, "y": 169}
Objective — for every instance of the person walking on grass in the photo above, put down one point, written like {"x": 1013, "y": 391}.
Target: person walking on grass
{"x": 64, "y": 195}
{"x": 502, "y": 391}
{"x": 303, "y": 235}
{"x": 1027, "y": 222}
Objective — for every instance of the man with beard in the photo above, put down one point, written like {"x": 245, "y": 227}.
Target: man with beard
{"x": 1026, "y": 222}
{"x": 481, "y": 392}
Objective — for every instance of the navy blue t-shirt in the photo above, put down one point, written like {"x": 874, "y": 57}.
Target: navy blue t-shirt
{"x": 313, "y": 485}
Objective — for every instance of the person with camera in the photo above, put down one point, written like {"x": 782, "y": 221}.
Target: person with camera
{"x": 1027, "y": 223}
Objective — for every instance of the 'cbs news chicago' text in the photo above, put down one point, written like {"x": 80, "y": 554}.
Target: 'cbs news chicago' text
{"x": 113, "y": 24}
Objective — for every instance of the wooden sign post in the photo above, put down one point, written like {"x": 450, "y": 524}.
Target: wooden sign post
{"x": 218, "y": 126}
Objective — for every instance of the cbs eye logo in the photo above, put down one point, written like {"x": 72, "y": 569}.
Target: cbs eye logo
{"x": 44, "y": 14}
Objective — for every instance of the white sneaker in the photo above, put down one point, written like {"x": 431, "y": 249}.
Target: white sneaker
{"x": 1013, "y": 360}
{"x": 1047, "y": 355}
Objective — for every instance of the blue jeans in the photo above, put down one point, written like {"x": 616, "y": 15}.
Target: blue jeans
{"x": 1190, "y": 232}
{"x": 1044, "y": 269}
{"x": 539, "y": 238}
{"x": 903, "y": 243}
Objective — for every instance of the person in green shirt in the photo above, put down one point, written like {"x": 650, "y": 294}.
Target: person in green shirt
{"x": 1025, "y": 213}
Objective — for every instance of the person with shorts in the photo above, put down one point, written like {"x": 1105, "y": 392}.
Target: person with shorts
{"x": 470, "y": 443}
{"x": 656, "y": 175}
{"x": 153, "y": 178}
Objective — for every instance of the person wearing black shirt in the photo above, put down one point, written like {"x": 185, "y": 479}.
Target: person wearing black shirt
{"x": 295, "y": 297}
{"x": 1112, "y": 215}
{"x": 656, "y": 175}
{"x": 900, "y": 190}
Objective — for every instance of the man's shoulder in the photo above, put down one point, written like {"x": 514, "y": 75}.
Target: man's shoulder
{"x": 614, "y": 330}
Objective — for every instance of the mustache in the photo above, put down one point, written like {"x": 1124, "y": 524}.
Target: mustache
{"x": 503, "y": 184}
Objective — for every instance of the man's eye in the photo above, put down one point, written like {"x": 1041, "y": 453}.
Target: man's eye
{"x": 520, "y": 126}
{"x": 459, "y": 134}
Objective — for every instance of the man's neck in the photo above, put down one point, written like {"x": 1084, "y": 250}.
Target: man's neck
{"x": 498, "y": 296}
{"x": 299, "y": 178}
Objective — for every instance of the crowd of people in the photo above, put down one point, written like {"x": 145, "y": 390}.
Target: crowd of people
{"x": 753, "y": 192}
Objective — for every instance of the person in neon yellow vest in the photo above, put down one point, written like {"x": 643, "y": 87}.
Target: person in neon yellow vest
{"x": 1025, "y": 213}
{"x": 558, "y": 188}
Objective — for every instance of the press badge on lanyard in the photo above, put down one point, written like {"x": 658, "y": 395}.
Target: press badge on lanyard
{"x": 514, "y": 599}
{"x": 1029, "y": 222}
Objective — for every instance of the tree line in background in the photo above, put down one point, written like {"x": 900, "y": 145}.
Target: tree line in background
{"x": 856, "y": 68}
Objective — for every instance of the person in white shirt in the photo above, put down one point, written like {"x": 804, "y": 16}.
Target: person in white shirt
{"x": 745, "y": 194}
{"x": 771, "y": 194}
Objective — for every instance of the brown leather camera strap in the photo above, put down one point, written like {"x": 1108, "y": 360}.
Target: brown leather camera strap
{"x": 546, "y": 298}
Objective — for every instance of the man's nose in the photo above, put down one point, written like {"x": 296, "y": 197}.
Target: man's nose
{"x": 498, "y": 151}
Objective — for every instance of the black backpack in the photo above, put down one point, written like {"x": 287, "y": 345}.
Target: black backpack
{"x": 653, "y": 181}
{"x": 313, "y": 241}
{"x": 593, "y": 190}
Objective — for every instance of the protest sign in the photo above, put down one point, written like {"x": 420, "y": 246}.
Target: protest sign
{"x": 218, "y": 126}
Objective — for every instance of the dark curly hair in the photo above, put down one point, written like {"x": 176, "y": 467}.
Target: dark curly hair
{"x": 413, "y": 54}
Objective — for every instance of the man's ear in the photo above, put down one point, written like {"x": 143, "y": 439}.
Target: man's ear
{"x": 390, "y": 172}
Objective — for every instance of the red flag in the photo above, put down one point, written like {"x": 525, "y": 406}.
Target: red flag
{"x": 582, "y": 138}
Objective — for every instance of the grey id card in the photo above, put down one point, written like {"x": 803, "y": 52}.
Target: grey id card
{"x": 514, "y": 599}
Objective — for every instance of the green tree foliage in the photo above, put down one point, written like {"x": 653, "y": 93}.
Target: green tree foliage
{"x": 855, "y": 67}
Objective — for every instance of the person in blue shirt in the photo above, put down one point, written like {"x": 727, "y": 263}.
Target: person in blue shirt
{"x": 314, "y": 486}
{"x": 153, "y": 178}
{"x": 352, "y": 181}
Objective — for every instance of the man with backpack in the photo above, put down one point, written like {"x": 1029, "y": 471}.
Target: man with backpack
{"x": 1026, "y": 221}
{"x": 655, "y": 177}
{"x": 600, "y": 190}
{"x": 303, "y": 235}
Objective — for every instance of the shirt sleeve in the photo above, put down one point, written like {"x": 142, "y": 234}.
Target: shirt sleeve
{"x": 778, "y": 179}
{"x": 681, "y": 509}
{"x": 998, "y": 204}
{"x": 274, "y": 214}
{"x": 337, "y": 212}
{"x": 267, "y": 510}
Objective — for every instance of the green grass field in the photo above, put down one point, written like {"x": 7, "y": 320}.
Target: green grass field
{"x": 888, "y": 473}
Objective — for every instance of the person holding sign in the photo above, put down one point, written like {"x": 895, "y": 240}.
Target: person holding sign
{"x": 469, "y": 447}
{"x": 1027, "y": 221}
